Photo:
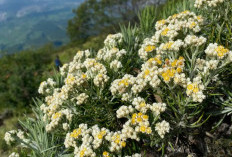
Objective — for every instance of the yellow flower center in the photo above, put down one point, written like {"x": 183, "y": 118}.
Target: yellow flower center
{"x": 101, "y": 134}
{"x": 174, "y": 63}
{"x": 165, "y": 32}
{"x": 185, "y": 12}
{"x": 123, "y": 144}
{"x": 143, "y": 128}
{"x": 158, "y": 60}
{"x": 221, "y": 51}
{"x": 179, "y": 70}
{"x": 82, "y": 153}
{"x": 105, "y": 154}
{"x": 190, "y": 87}
{"x": 193, "y": 24}
{"x": 117, "y": 141}
{"x": 146, "y": 72}
{"x": 161, "y": 22}
{"x": 149, "y": 130}
{"x": 83, "y": 76}
{"x": 140, "y": 114}
{"x": 150, "y": 48}
{"x": 142, "y": 104}
{"x": 181, "y": 58}
{"x": 172, "y": 72}
{"x": 199, "y": 17}
{"x": 70, "y": 79}
{"x": 124, "y": 82}
{"x": 195, "y": 90}
{"x": 145, "y": 117}
{"x": 139, "y": 119}
{"x": 168, "y": 45}
{"x": 174, "y": 16}
{"x": 56, "y": 115}
{"x": 115, "y": 49}
{"x": 166, "y": 78}
{"x": 76, "y": 133}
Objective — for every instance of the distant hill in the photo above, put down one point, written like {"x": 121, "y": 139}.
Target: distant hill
{"x": 31, "y": 23}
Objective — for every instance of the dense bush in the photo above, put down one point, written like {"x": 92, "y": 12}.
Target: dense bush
{"x": 20, "y": 75}
{"x": 94, "y": 17}
{"x": 148, "y": 90}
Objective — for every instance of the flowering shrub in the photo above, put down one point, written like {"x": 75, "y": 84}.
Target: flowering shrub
{"x": 100, "y": 108}
{"x": 207, "y": 3}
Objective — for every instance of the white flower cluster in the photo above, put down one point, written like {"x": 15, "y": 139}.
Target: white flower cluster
{"x": 217, "y": 51}
{"x": 130, "y": 85}
{"x": 75, "y": 134}
{"x": 84, "y": 150}
{"x": 162, "y": 128}
{"x": 57, "y": 117}
{"x": 9, "y": 137}
{"x": 100, "y": 79}
{"x": 128, "y": 131}
{"x": 139, "y": 121}
{"x": 54, "y": 101}
{"x": 98, "y": 135}
{"x": 135, "y": 155}
{"x": 147, "y": 76}
{"x": 195, "y": 89}
{"x": 14, "y": 154}
{"x": 76, "y": 73}
{"x": 207, "y": 3}
{"x": 168, "y": 30}
{"x": 82, "y": 98}
{"x": 171, "y": 46}
{"x": 172, "y": 69}
{"x": 205, "y": 66}
{"x": 94, "y": 137}
{"x": 140, "y": 104}
{"x": 115, "y": 65}
{"x": 147, "y": 48}
{"x": 112, "y": 40}
{"x": 180, "y": 79}
{"x": 124, "y": 111}
{"x": 117, "y": 141}
{"x": 119, "y": 86}
{"x": 110, "y": 54}
{"x": 194, "y": 40}
{"x": 168, "y": 64}
{"x": 64, "y": 69}
{"x": 65, "y": 126}
{"x": 158, "y": 108}
{"x": 46, "y": 86}
{"x": 165, "y": 44}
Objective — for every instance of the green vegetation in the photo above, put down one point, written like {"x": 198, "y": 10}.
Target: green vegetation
{"x": 20, "y": 76}
{"x": 190, "y": 121}
{"x": 94, "y": 17}
{"x": 22, "y": 72}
